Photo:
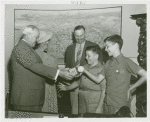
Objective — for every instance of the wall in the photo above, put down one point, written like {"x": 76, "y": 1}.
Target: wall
{"x": 130, "y": 31}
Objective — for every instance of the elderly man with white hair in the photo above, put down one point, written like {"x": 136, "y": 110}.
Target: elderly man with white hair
{"x": 29, "y": 73}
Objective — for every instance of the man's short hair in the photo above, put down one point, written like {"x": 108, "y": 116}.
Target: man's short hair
{"x": 115, "y": 39}
{"x": 79, "y": 27}
{"x": 30, "y": 29}
{"x": 96, "y": 49}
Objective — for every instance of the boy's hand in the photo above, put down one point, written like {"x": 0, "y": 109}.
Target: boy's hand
{"x": 81, "y": 69}
{"x": 76, "y": 71}
{"x": 129, "y": 95}
{"x": 62, "y": 87}
{"x": 73, "y": 71}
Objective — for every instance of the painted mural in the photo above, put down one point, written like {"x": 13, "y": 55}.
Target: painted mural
{"x": 99, "y": 23}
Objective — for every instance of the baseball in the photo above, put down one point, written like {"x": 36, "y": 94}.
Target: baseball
{"x": 80, "y": 69}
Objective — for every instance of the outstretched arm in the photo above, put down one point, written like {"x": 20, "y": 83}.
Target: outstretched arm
{"x": 96, "y": 79}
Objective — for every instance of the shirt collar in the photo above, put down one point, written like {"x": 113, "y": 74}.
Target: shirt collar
{"x": 119, "y": 58}
{"x": 77, "y": 44}
{"x": 24, "y": 40}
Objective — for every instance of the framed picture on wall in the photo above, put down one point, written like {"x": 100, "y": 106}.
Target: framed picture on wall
{"x": 99, "y": 23}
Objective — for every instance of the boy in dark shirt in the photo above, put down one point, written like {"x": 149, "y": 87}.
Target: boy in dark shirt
{"x": 118, "y": 71}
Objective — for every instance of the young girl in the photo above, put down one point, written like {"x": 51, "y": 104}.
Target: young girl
{"x": 92, "y": 83}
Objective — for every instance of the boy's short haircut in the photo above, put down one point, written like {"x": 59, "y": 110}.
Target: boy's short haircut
{"x": 96, "y": 49}
{"x": 115, "y": 39}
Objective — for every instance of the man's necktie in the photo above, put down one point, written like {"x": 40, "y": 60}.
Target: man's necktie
{"x": 78, "y": 56}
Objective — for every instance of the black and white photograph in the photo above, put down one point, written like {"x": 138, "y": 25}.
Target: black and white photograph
{"x": 78, "y": 59}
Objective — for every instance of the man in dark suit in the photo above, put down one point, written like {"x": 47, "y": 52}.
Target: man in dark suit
{"x": 28, "y": 87}
{"x": 75, "y": 56}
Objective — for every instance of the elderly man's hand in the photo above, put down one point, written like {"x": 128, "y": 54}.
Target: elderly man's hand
{"x": 65, "y": 74}
{"x": 66, "y": 69}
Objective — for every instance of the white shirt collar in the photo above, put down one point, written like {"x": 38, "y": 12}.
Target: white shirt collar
{"x": 77, "y": 44}
{"x": 24, "y": 40}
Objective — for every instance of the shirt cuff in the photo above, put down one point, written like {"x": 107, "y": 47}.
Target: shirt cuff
{"x": 57, "y": 74}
